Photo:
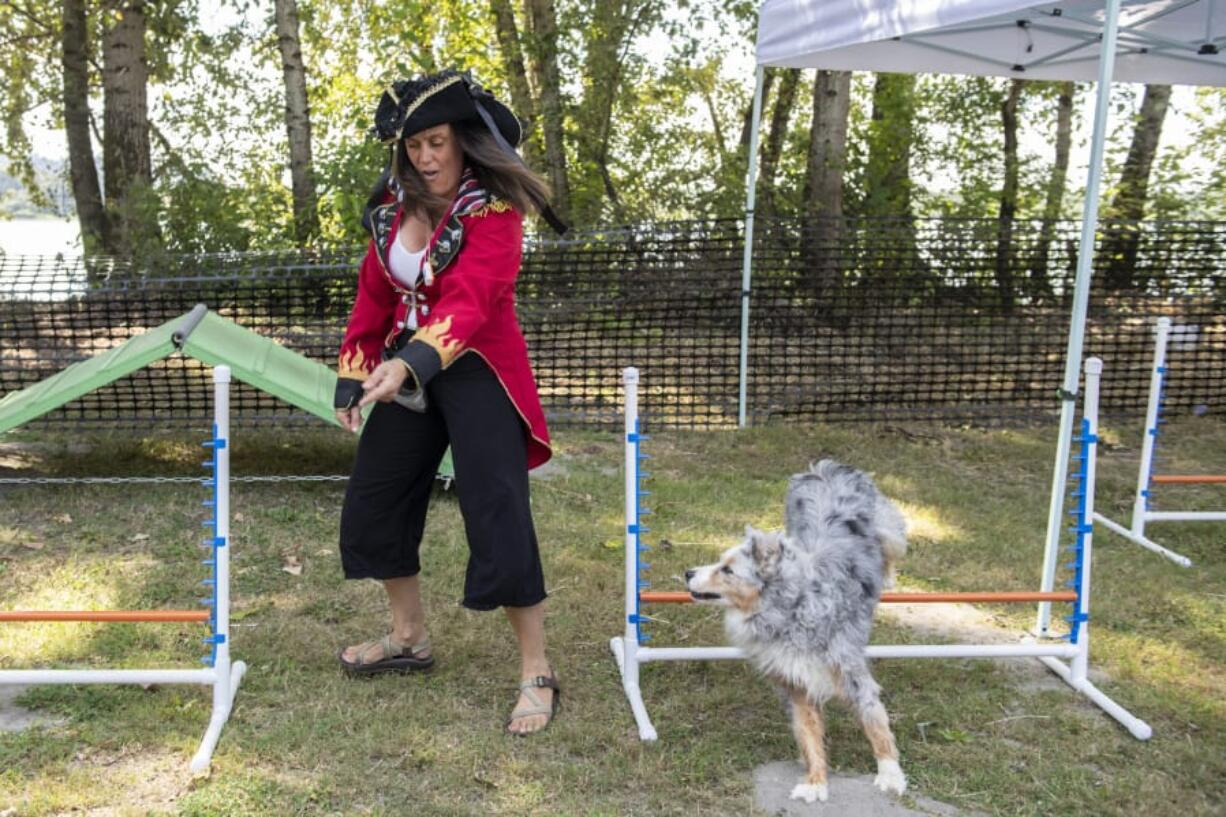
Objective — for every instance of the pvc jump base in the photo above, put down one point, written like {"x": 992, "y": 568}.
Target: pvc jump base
{"x": 219, "y": 672}
{"x": 1142, "y": 512}
{"x": 1070, "y": 660}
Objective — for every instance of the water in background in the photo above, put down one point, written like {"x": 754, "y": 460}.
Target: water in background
{"x": 40, "y": 236}
{"x": 28, "y": 264}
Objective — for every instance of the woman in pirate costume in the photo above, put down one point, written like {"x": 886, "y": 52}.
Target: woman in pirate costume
{"x": 434, "y": 343}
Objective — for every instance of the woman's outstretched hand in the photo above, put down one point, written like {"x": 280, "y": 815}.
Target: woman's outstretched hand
{"x": 384, "y": 382}
{"x": 351, "y": 418}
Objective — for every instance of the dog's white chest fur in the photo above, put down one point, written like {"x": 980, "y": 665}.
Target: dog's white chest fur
{"x": 783, "y": 663}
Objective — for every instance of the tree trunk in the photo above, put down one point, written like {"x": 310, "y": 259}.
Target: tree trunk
{"x": 1040, "y": 283}
{"x": 126, "y": 164}
{"x": 517, "y": 75}
{"x": 717, "y": 127}
{"x": 781, "y": 114}
{"x": 1129, "y": 200}
{"x": 1008, "y": 197}
{"x": 897, "y": 265}
{"x": 1128, "y": 204}
{"x": 768, "y": 80}
{"x": 823, "y": 190}
{"x": 297, "y": 123}
{"x": 542, "y": 20}
{"x": 83, "y": 172}
{"x": 887, "y": 180}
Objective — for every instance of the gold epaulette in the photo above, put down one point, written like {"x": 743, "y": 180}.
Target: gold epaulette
{"x": 495, "y": 206}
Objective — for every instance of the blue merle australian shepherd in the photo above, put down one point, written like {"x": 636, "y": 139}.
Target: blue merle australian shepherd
{"x": 800, "y": 604}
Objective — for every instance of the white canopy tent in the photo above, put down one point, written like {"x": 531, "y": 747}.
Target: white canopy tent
{"x": 1170, "y": 41}
{"x": 1161, "y": 41}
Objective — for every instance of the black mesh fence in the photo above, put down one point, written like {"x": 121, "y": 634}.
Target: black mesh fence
{"x": 955, "y": 320}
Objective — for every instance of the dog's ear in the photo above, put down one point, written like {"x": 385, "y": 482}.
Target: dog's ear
{"x": 765, "y": 548}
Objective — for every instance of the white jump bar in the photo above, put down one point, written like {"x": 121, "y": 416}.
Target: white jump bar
{"x": 107, "y": 676}
{"x": 1185, "y": 516}
{"x": 878, "y": 651}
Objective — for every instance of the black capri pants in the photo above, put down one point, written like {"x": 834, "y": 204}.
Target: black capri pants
{"x": 397, "y": 459}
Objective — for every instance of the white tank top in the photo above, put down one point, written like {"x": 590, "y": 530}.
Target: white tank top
{"x": 404, "y": 267}
{"x": 403, "y": 264}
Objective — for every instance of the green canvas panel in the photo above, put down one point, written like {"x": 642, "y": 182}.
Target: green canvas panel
{"x": 262, "y": 362}
{"x": 86, "y": 375}
{"x": 270, "y": 367}
{"x": 211, "y": 339}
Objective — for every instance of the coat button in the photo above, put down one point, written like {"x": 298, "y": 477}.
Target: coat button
{"x": 400, "y": 324}
{"x": 404, "y": 299}
{"x": 425, "y": 310}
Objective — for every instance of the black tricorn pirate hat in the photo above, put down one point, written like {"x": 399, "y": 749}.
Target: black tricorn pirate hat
{"x": 412, "y": 105}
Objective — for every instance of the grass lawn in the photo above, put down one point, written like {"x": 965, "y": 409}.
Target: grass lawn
{"x": 998, "y": 737}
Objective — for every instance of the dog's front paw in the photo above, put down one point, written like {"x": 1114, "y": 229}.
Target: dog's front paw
{"x": 890, "y": 778}
{"x": 810, "y": 792}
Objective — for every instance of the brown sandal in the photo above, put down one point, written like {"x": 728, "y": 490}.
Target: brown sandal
{"x": 396, "y": 657}
{"x": 536, "y": 707}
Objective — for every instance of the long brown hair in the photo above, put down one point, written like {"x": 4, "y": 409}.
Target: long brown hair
{"x": 501, "y": 174}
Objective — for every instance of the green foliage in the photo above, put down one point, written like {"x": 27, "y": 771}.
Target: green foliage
{"x": 30, "y": 36}
{"x": 653, "y": 117}
{"x": 1175, "y": 189}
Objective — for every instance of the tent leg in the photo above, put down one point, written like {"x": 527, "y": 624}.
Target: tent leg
{"x": 751, "y": 181}
{"x": 1081, "y": 298}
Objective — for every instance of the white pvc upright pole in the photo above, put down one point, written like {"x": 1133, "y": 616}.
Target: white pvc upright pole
{"x": 1140, "y": 504}
{"x": 1149, "y": 438}
{"x": 1076, "y": 674}
{"x": 751, "y": 181}
{"x": 631, "y": 382}
{"x": 1081, "y": 297}
{"x": 626, "y": 648}
{"x": 228, "y": 675}
{"x": 1094, "y": 371}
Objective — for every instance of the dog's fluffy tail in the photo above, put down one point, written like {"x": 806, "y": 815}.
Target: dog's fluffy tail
{"x": 820, "y": 499}
{"x": 892, "y": 533}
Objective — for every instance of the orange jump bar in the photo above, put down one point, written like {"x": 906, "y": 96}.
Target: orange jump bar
{"x": 907, "y": 598}
{"x": 1201, "y": 479}
{"x": 104, "y": 615}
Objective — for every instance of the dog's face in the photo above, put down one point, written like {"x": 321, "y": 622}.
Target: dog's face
{"x": 739, "y": 576}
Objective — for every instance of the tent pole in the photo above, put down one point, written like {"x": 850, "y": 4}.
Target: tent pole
{"x": 751, "y": 180}
{"x": 1081, "y": 297}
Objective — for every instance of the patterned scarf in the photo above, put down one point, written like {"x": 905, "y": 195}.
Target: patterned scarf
{"x": 470, "y": 198}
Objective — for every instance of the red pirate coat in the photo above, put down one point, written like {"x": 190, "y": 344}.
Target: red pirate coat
{"x": 463, "y": 303}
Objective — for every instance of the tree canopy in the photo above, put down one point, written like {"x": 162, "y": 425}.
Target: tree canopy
{"x": 636, "y": 110}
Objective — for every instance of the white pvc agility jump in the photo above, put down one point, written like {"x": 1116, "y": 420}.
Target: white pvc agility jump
{"x": 1146, "y": 478}
{"x": 220, "y": 673}
{"x": 630, "y": 653}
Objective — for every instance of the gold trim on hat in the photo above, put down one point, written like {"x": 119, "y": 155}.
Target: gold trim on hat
{"x": 417, "y": 103}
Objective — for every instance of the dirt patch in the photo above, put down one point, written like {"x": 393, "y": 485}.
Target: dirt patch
{"x": 14, "y": 718}
{"x": 150, "y": 781}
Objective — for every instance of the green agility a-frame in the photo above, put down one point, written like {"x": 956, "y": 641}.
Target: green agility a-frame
{"x": 207, "y": 337}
